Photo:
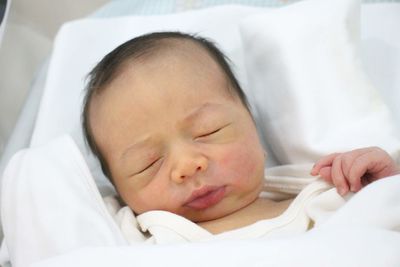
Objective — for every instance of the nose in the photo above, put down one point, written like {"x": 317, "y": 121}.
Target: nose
{"x": 187, "y": 165}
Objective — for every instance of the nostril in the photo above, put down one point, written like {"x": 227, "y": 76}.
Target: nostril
{"x": 199, "y": 168}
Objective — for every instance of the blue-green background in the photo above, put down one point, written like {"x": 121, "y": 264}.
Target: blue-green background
{"x": 146, "y": 7}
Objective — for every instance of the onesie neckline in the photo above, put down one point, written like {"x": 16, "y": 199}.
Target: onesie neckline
{"x": 152, "y": 221}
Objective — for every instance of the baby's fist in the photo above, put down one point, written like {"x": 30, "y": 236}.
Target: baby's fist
{"x": 350, "y": 171}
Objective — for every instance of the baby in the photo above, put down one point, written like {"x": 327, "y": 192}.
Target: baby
{"x": 172, "y": 129}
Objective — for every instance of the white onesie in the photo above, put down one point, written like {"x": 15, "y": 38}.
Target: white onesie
{"x": 315, "y": 202}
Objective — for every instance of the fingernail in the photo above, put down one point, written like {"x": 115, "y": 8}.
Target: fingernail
{"x": 342, "y": 191}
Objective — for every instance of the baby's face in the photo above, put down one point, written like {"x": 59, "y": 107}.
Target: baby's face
{"x": 175, "y": 139}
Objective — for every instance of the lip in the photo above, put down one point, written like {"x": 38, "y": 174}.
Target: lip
{"x": 205, "y": 197}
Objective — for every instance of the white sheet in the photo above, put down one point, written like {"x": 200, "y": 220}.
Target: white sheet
{"x": 312, "y": 93}
{"x": 355, "y": 249}
{"x": 382, "y": 58}
{"x": 51, "y": 205}
{"x": 345, "y": 247}
{"x": 53, "y": 215}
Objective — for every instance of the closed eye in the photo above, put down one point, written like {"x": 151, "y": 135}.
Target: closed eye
{"x": 147, "y": 167}
{"x": 209, "y": 133}
{"x": 214, "y": 131}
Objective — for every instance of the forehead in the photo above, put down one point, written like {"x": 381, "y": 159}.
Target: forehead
{"x": 167, "y": 84}
{"x": 182, "y": 69}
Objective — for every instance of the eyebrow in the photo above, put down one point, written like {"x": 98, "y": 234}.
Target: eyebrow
{"x": 136, "y": 145}
{"x": 193, "y": 115}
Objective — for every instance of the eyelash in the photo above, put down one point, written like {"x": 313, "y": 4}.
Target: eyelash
{"x": 147, "y": 167}
{"x": 210, "y": 133}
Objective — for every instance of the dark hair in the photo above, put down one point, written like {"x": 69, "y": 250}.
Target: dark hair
{"x": 140, "y": 48}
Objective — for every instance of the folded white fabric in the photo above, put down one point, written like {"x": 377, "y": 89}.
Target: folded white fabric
{"x": 303, "y": 63}
{"x": 51, "y": 205}
{"x": 329, "y": 247}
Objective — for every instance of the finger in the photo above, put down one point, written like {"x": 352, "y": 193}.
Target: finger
{"x": 358, "y": 170}
{"x": 381, "y": 164}
{"x": 323, "y": 162}
{"x": 325, "y": 174}
{"x": 348, "y": 159}
{"x": 338, "y": 178}
{"x": 373, "y": 165}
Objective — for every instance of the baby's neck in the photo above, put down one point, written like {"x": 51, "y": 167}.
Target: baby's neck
{"x": 260, "y": 209}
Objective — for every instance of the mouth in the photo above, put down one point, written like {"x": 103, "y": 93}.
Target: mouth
{"x": 205, "y": 197}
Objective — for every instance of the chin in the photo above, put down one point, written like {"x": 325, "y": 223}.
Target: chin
{"x": 216, "y": 212}
{"x": 210, "y": 214}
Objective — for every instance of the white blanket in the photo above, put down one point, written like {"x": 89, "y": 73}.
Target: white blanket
{"x": 53, "y": 215}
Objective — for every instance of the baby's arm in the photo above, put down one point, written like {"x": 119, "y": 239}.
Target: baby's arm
{"x": 351, "y": 170}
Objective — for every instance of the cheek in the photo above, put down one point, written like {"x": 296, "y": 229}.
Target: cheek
{"x": 144, "y": 199}
{"x": 242, "y": 163}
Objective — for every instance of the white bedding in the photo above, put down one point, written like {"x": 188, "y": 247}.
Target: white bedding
{"x": 52, "y": 211}
{"x": 355, "y": 249}
{"x": 53, "y": 215}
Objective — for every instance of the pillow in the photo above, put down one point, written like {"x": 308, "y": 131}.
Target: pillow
{"x": 313, "y": 97}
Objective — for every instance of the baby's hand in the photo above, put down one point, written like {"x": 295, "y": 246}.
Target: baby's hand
{"x": 351, "y": 170}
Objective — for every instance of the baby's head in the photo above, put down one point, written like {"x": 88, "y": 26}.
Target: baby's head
{"x": 171, "y": 127}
